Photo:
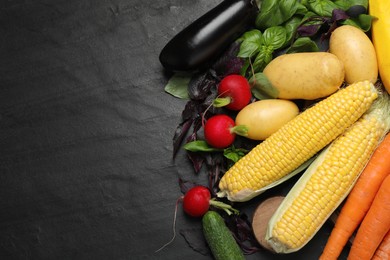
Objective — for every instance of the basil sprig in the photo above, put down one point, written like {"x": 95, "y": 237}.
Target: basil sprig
{"x": 262, "y": 45}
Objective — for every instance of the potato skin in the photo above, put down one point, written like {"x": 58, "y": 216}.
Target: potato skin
{"x": 353, "y": 47}
{"x": 265, "y": 117}
{"x": 307, "y": 75}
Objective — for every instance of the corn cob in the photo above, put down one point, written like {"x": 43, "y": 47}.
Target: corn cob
{"x": 274, "y": 160}
{"x": 328, "y": 180}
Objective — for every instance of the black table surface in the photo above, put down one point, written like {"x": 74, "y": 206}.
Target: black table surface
{"x": 86, "y": 169}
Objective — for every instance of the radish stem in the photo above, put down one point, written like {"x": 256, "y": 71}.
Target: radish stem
{"x": 240, "y": 130}
{"x": 220, "y": 205}
{"x": 222, "y": 101}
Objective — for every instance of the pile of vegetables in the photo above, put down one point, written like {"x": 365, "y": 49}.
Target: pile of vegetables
{"x": 248, "y": 71}
{"x": 359, "y": 202}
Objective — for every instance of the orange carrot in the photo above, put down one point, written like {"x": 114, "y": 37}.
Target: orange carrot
{"x": 383, "y": 251}
{"x": 359, "y": 200}
{"x": 374, "y": 226}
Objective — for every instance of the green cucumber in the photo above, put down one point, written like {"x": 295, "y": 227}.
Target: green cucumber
{"x": 219, "y": 238}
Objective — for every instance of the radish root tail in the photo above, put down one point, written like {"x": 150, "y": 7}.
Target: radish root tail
{"x": 173, "y": 226}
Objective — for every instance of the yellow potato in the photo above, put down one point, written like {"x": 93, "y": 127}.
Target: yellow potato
{"x": 265, "y": 117}
{"x": 308, "y": 75}
{"x": 353, "y": 47}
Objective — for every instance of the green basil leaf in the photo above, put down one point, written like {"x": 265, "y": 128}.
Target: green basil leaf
{"x": 303, "y": 44}
{"x": 245, "y": 67}
{"x": 262, "y": 87}
{"x": 363, "y": 22}
{"x": 177, "y": 85}
{"x": 350, "y": 22}
{"x": 200, "y": 146}
{"x": 263, "y": 58}
{"x": 251, "y": 34}
{"x": 250, "y": 45}
{"x": 301, "y": 9}
{"x": 321, "y": 7}
{"x": 274, "y": 37}
{"x": 234, "y": 154}
{"x": 291, "y": 26}
{"x": 275, "y": 12}
{"x": 308, "y": 15}
{"x": 346, "y": 4}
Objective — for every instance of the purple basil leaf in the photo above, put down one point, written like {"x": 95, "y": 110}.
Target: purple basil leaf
{"x": 196, "y": 159}
{"x": 229, "y": 63}
{"x": 234, "y": 66}
{"x": 197, "y": 125}
{"x": 200, "y": 85}
{"x": 325, "y": 36}
{"x": 215, "y": 165}
{"x": 180, "y": 133}
{"x": 308, "y": 30}
{"x": 190, "y": 110}
{"x": 244, "y": 229}
{"x": 339, "y": 15}
{"x": 193, "y": 135}
{"x": 195, "y": 239}
{"x": 189, "y": 115}
{"x": 248, "y": 250}
{"x": 185, "y": 185}
{"x": 213, "y": 75}
{"x": 207, "y": 105}
{"x": 241, "y": 228}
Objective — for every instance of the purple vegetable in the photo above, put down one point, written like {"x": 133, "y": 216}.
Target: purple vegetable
{"x": 199, "y": 44}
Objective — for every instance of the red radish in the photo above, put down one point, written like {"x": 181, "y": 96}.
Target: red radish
{"x": 196, "y": 202}
{"x": 220, "y": 131}
{"x": 234, "y": 92}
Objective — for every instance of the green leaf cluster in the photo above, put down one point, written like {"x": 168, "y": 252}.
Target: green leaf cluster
{"x": 278, "y": 13}
{"x": 277, "y": 23}
{"x": 261, "y": 46}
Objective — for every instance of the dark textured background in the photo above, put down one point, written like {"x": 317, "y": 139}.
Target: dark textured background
{"x": 86, "y": 132}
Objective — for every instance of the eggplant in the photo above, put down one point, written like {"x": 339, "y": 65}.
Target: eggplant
{"x": 200, "y": 43}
